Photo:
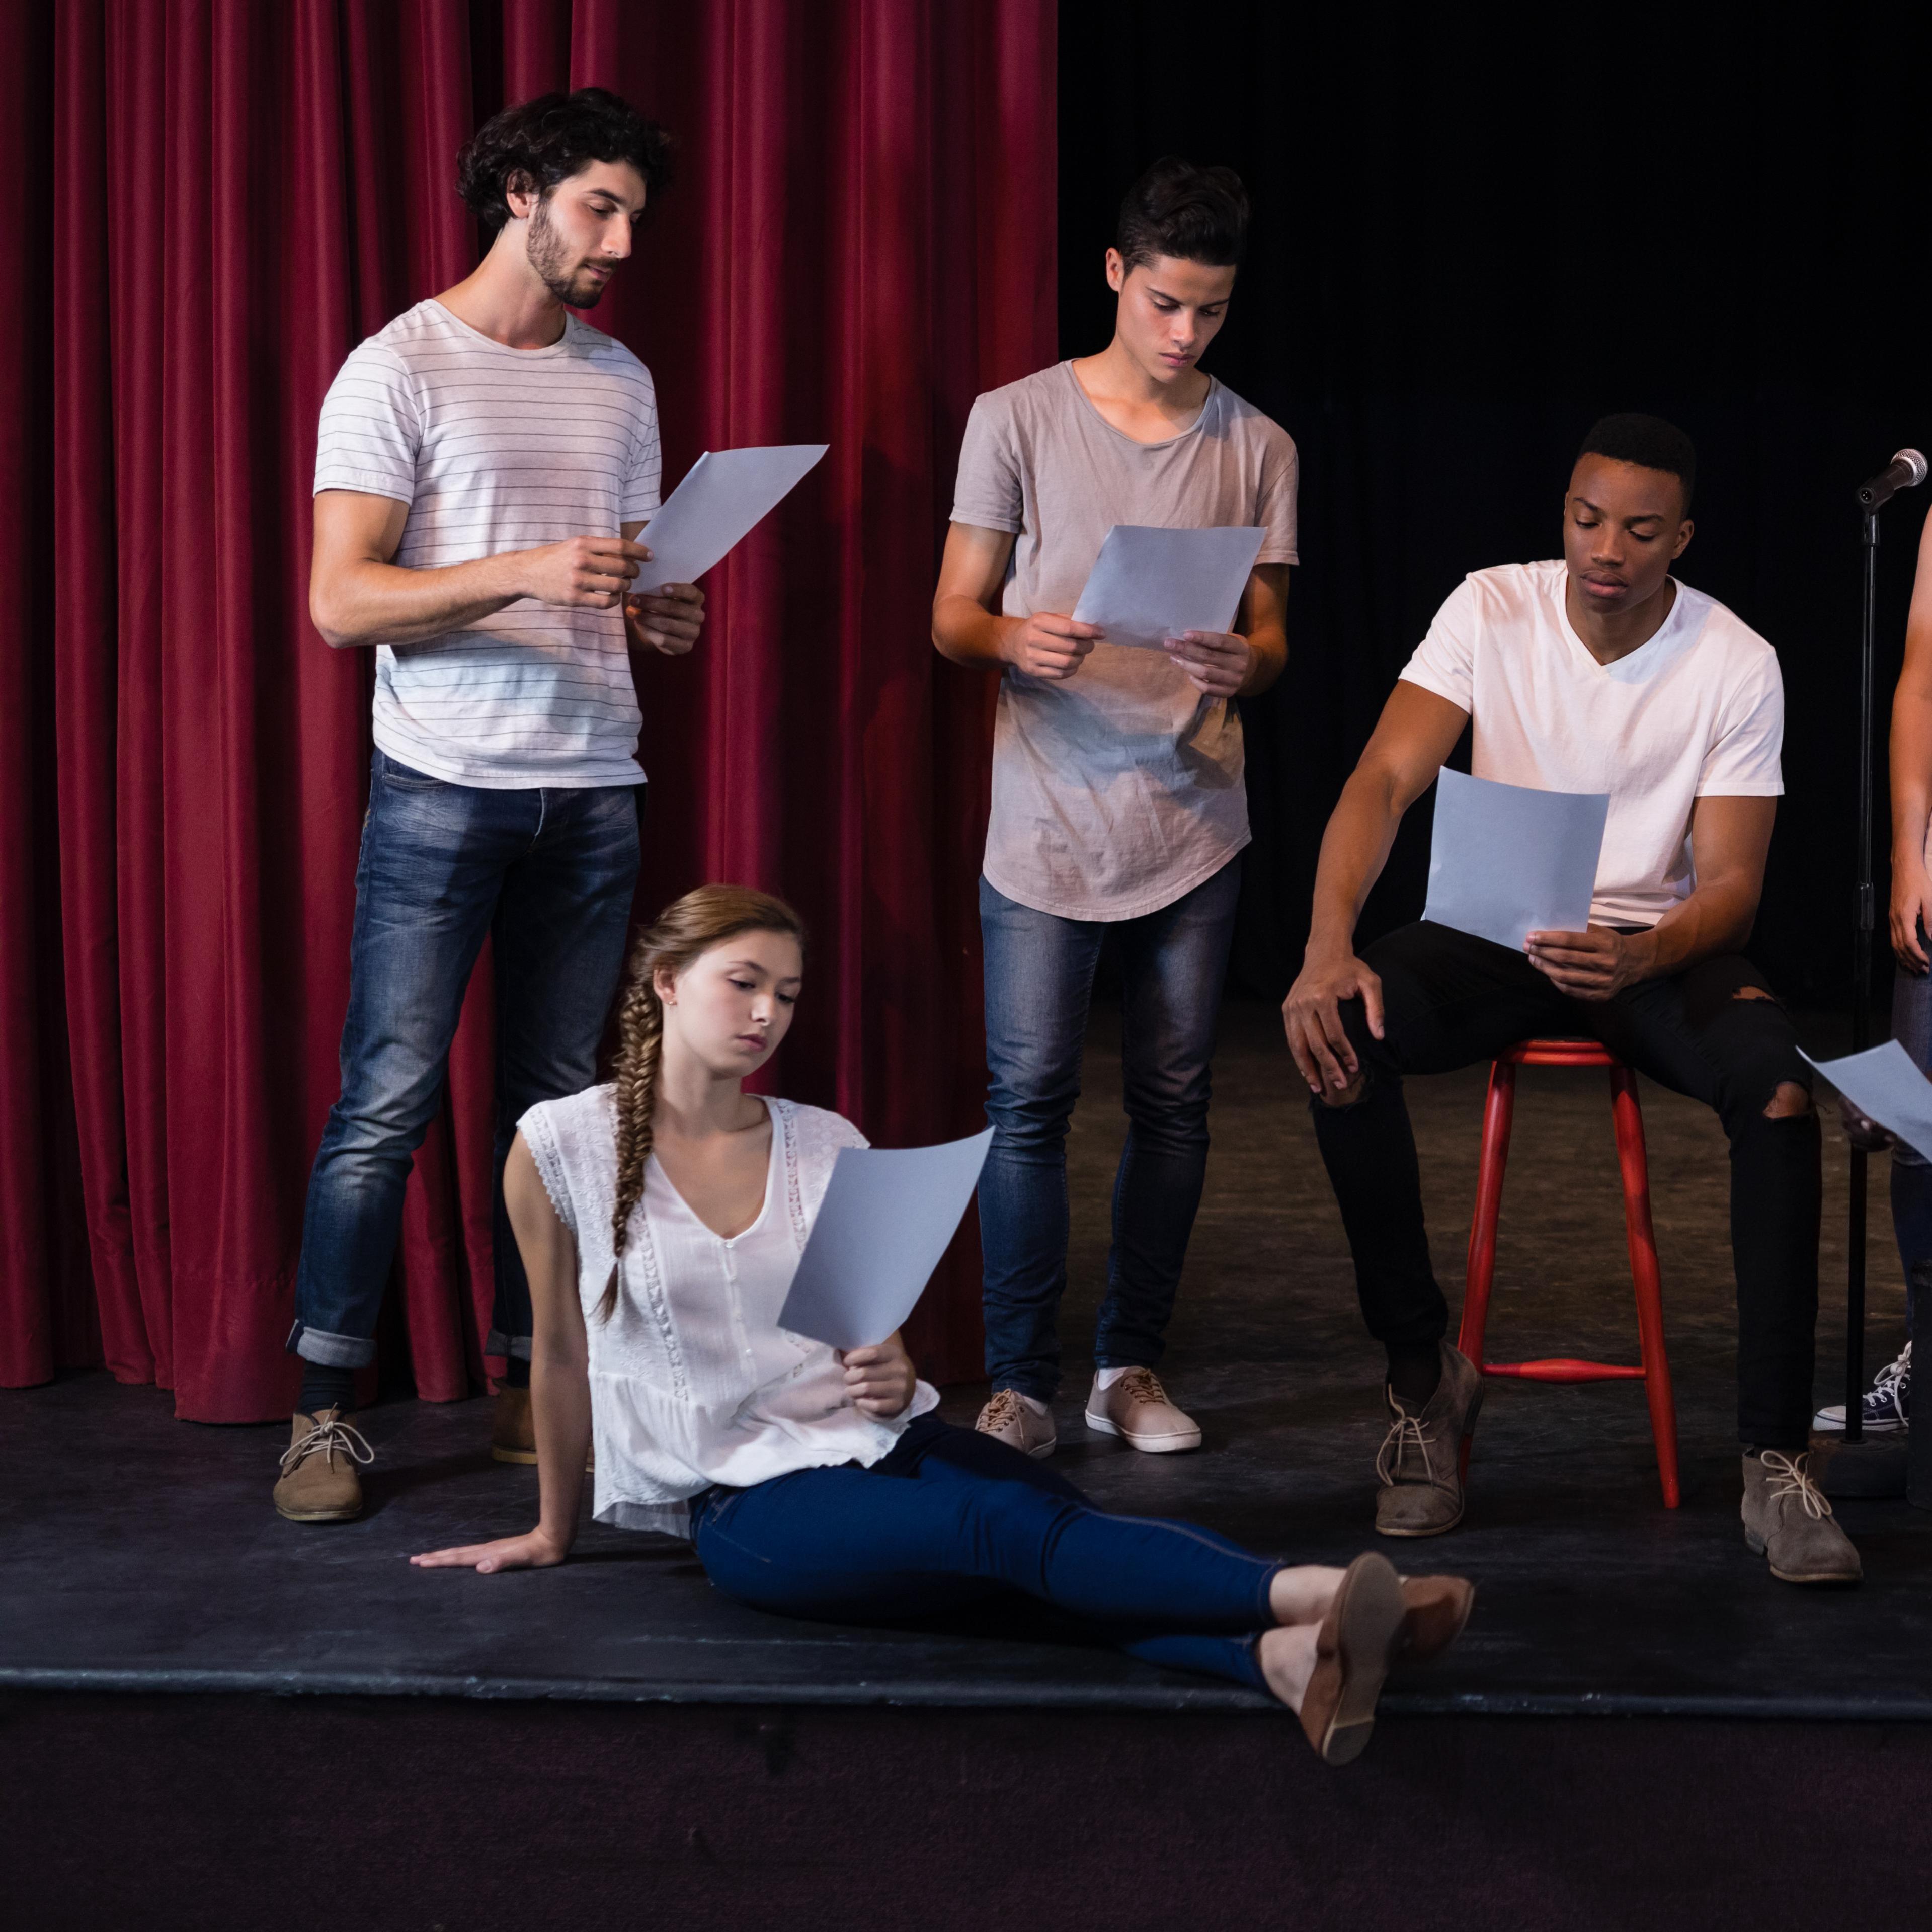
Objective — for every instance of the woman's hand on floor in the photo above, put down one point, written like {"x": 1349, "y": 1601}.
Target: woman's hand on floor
{"x": 879, "y": 1382}
{"x": 532, "y": 1551}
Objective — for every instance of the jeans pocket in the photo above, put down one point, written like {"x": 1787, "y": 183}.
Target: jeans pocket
{"x": 405, "y": 778}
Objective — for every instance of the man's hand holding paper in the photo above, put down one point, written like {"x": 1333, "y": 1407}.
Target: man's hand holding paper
{"x": 1596, "y": 964}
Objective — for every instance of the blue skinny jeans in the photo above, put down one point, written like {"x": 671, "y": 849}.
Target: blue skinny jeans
{"x": 951, "y": 1519}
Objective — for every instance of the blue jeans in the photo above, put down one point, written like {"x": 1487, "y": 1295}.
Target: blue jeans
{"x": 1039, "y": 981}
{"x": 951, "y": 1519}
{"x": 1911, "y": 1173}
{"x": 548, "y": 874}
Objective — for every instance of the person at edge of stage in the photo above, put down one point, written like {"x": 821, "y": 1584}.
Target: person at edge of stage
{"x": 1118, "y": 802}
{"x": 1886, "y": 1409}
{"x": 661, "y": 1219}
{"x": 485, "y": 465}
{"x": 1601, "y": 673}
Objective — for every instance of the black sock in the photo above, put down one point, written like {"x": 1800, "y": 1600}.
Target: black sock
{"x": 1414, "y": 1370}
{"x": 517, "y": 1372}
{"x": 325, "y": 1386}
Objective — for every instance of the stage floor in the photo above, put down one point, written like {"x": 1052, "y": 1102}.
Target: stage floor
{"x": 143, "y": 1554}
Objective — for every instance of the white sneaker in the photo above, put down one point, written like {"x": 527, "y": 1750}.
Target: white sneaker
{"x": 1886, "y": 1409}
{"x": 1136, "y": 1409}
{"x": 1019, "y": 1422}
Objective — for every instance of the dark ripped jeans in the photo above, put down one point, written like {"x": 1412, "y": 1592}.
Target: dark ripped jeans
{"x": 1450, "y": 1000}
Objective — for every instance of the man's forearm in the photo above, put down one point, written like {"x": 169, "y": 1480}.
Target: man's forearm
{"x": 1715, "y": 918}
{"x": 966, "y": 632}
{"x": 371, "y": 603}
{"x": 1354, "y": 848}
{"x": 1269, "y": 644}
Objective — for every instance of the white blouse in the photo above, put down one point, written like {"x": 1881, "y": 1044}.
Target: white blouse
{"x": 692, "y": 1382}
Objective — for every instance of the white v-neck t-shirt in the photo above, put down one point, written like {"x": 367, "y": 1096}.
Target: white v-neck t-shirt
{"x": 1697, "y": 712}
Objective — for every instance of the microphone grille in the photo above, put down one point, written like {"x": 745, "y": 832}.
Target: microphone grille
{"x": 1915, "y": 466}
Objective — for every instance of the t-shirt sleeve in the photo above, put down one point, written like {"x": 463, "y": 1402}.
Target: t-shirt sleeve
{"x": 1743, "y": 761}
{"x": 1445, "y": 661}
{"x": 1281, "y": 481}
{"x": 370, "y": 429}
{"x": 989, "y": 494}
{"x": 644, "y": 482}
{"x": 540, "y": 1137}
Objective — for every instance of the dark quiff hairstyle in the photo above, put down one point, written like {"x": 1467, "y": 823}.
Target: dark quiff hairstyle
{"x": 1187, "y": 213}
{"x": 679, "y": 936}
{"x": 1648, "y": 442}
{"x": 538, "y": 143}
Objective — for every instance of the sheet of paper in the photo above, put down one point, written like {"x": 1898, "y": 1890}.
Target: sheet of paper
{"x": 887, "y": 1218}
{"x": 1505, "y": 861}
{"x": 726, "y": 493}
{"x": 1148, "y": 584}
{"x": 1885, "y": 1083}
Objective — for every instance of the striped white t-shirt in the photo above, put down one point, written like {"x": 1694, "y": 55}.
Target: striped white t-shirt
{"x": 494, "y": 449}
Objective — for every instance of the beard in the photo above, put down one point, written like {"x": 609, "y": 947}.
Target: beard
{"x": 549, "y": 256}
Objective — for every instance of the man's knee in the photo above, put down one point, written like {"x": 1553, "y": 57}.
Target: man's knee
{"x": 1762, "y": 1080}
{"x": 1789, "y": 1102}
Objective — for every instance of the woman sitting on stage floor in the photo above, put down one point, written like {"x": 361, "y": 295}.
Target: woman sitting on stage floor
{"x": 661, "y": 1219}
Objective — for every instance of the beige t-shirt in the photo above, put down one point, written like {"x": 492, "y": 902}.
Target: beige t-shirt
{"x": 1120, "y": 789}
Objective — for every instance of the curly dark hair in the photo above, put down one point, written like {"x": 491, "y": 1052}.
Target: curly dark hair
{"x": 542, "y": 142}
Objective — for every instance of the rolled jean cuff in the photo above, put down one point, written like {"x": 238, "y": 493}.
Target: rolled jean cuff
{"x": 497, "y": 1343}
{"x": 332, "y": 1351}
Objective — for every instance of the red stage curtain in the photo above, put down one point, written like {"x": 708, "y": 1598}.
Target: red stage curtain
{"x": 214, "y": 199}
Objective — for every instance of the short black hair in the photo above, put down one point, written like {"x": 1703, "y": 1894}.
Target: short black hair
{"x": 1648, "y": 442}
{"x": 1189, "y": 213}
{"x": 546, "y": 140}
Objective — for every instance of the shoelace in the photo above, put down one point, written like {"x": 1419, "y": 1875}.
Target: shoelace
{"x": 1793, "y": 1480}
{"x": 1405, "y": 1432}
{"x": 324, "y": 1439}
{"x": 1002, "y": 1412}
{"x": 1142, "y": 1385}
{"x": 1893, "y": 1376}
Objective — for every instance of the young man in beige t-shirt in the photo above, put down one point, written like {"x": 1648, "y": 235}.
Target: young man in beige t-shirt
{"x": 1118, "y": 803}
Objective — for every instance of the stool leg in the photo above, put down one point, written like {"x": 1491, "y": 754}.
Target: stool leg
{"x": 1499, "y": 1110}
{"x": 1646, "y": 1277}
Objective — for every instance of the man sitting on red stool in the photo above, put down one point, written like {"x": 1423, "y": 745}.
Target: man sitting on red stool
{"x": 1601, "y": 673}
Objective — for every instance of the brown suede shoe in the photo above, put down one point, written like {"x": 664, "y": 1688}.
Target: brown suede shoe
{"x": 513, "y": 1436}
{"x": 319, "y": 1482}
{"x": 1434, "y": 1609}
{"x": 1420, "y": 1463}
{"x": 1788, "y": 1520}
{"x": 1139, "y": 1411}
{"x": 1359, "y": 1639}
{"x": 1009, "y": 1418}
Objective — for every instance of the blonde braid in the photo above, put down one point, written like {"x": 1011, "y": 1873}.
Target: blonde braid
{"x": 699, "y": 921}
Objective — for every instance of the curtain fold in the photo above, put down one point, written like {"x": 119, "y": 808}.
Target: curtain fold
{"x": 860, "y": 239}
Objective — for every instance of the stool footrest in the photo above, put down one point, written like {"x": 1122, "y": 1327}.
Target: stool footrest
{"x": 1564, "y": 1368}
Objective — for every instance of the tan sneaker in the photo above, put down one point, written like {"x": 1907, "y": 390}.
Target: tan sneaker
{"x": 1136, "y": 1409}
{"x": 1011, "y": 1419}
{"x": 513, "y": 1436}
{"x": 319, "y": 1482}
{"x": 1788, "y": 1520}
{"x": 1420, "y": 1461}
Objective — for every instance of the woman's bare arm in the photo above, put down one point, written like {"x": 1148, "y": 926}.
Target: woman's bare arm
{"x": 559, "y": 1381}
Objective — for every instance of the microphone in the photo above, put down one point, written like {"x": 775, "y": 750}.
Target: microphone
{"x": 1906, "y": 471}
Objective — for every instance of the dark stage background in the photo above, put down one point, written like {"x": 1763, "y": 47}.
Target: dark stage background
{"x": 1473, "y": 235}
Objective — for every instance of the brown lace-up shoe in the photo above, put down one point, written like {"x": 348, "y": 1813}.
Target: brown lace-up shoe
{"x": 1788, "y": 1520}
{"x": 1419, "y": 1463}
{"x": 513, "y": 1436}
{"x": 1011, "y": 1419}
{"x": 1136, "y": 1409}
{"x": 319, "y": 1482}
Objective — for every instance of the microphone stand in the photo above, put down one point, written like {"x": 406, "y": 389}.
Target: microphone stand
{"x": 1861, "y": 966}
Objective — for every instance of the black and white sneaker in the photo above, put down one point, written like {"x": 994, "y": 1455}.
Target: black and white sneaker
{"x": 1887, "y": 1407}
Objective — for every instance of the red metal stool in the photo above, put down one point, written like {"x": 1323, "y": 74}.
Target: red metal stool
{"x": 1627, "y": 1117}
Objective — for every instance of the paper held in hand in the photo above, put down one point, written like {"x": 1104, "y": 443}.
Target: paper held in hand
{"x": 724, "y": 495}
{"x": 1505, "y": 861}
{"x": 1150, "y": 584}
{"x": 1885, "y": 1083}
{"x": 887, "y": 1216}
